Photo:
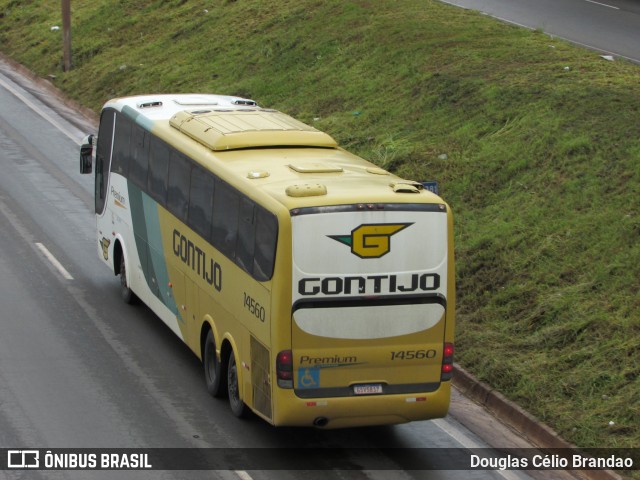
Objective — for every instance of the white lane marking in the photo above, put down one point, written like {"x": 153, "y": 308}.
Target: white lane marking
{"x": 74, "y": 138}
{"x": 467, "y": 442}
{"x": 603, "y": 4}
{"x": 54, "y": 261}
{"x": 457, "y": 434}
{"x": 243, "y": 475}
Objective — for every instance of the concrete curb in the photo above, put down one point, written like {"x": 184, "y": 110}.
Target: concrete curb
{"x": 519, "y": 420}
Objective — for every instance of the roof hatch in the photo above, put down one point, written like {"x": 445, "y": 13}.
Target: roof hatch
{"x": 406, "y": 186}
{"x": 232, "y": 129}
{"x": 316, "y": 168}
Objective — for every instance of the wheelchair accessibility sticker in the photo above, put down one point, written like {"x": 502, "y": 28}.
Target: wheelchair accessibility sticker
{"x": 308, "y": 378}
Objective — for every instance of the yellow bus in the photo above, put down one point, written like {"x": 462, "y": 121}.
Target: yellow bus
{"x": 316, "y": 288}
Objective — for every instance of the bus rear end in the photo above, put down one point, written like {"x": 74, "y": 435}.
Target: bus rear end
{"x": 372, "y": 316}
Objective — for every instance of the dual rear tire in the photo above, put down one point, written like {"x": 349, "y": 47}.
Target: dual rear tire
{"x": 221, "y": 378}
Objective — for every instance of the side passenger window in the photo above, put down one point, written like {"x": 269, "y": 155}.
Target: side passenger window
{"x": 246, "y": 235}
{"x": 122, "y": 144}
{"x": 140, "y": 157}
{"x": 200, "y": 201}
{"x": 158, "y": 169}
{"x": 226, "y": 204}
{"x": 266, "y": 240}
{"x": 178, "y": 185}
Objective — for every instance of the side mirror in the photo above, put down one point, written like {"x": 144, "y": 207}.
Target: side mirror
{"x": 86, "y": 154}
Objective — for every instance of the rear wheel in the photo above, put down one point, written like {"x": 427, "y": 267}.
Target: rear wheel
{"x": 212, "y": 369}
{"x": 125, "y": 291}
{"x": 238, "y": 407}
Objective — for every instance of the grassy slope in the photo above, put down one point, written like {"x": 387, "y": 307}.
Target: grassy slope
{"x": 542, "y": 163}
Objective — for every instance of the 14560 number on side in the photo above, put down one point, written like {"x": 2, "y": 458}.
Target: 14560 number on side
{"x": 254, "y": 307}
{"x": 413, "y": 354}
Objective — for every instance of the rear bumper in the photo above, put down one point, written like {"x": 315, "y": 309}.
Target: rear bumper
{"x": 341, "y": 412}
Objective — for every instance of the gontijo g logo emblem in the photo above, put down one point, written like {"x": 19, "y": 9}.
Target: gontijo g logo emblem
{"x": 371, "y": 240}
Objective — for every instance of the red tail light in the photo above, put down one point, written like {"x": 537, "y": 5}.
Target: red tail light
{"x": 448, "y": 350}
{"x": 284, "y": 369}
{"x": 447, "y": 362}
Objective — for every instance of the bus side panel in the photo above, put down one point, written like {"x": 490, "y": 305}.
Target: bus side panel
{"x": 131, "y": 218}
{"x": 184, "y": 280}
{"x": 221, "y": 293}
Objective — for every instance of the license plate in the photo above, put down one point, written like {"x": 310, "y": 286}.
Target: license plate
{"x": 367, "y": 389}
{"x": 431, "y": 186}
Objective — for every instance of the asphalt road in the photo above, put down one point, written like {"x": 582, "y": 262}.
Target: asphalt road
{"x": 609, "y": 26}
{"x": 80, "y": 369}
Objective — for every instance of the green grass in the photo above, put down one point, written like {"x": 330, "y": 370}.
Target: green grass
{"x": 534, "y": 142}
